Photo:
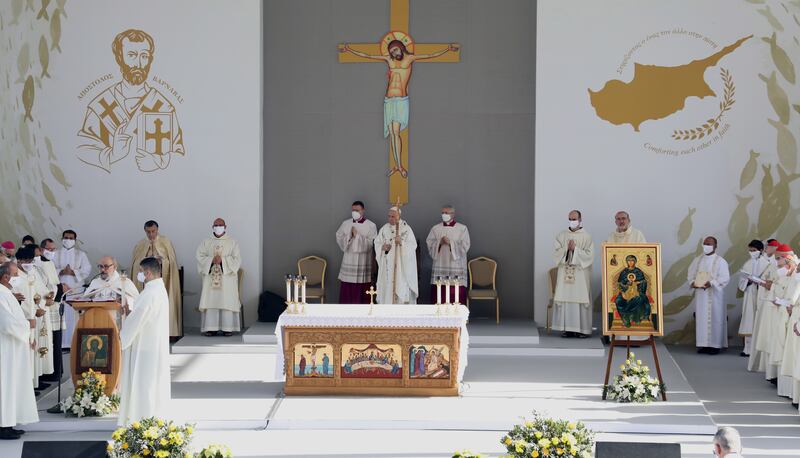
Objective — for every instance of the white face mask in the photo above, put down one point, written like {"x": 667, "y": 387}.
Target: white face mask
{"x": 140, "y": 277}
{"x": 68, "y": 243}
{"x": 49, "y": 254}
{"x": 446, "y": 217}
{"x": 574, "y": 224}
{"x": 708, "y": 249}
{"x": 219, "y": 230}
{"x": 27, "y": 267}
{"x": 783, "y": 271}
{"x": 37, "y": 259}
{"x": 755, "y": 254}
{"x": 15, "y": 282}
{"x": 356, "y": 215}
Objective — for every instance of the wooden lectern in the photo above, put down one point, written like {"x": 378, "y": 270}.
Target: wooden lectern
{"x": 95, "y": 342}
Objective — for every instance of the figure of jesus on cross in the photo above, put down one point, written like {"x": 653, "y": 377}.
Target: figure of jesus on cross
{"x": 399, "y": 51}
{"x": 395, "y": 103}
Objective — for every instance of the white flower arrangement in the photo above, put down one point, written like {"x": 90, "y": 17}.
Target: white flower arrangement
{"x": 215, "y": 451}
{"x": 89, "y": 398}
{"x": 634, "y": 383}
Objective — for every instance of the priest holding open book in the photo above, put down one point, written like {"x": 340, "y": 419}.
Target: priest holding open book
{"x": 708, "y": 276}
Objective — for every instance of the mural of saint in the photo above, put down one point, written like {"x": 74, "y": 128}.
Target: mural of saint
{"x": 632, "y": 302}
{"x": 131, "y": 116}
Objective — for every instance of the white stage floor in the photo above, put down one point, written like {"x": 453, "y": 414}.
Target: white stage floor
{"x": 224, "y": 385}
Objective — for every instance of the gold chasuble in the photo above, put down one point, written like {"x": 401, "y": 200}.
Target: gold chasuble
{"x": 162, "y": 249}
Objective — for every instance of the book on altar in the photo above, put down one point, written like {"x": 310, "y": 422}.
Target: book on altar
{"x": 701, "y": 279}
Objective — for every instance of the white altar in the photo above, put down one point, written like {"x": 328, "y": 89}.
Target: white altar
{"x": 398, "y": 349}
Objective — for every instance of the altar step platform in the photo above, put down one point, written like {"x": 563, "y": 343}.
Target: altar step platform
{"x": 486, "y": 338}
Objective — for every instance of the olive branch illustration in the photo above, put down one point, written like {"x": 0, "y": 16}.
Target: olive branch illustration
{"x": 712, "y": 124}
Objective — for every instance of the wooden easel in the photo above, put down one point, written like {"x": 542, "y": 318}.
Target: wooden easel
{"x": 627, "y": 343}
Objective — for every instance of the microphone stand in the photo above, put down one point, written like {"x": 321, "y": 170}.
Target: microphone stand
{"x": 58, "y": 408}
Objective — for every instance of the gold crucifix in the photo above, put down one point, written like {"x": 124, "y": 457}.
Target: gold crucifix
{"x": 371, "y": 291}
{"x": 399, "y": 51}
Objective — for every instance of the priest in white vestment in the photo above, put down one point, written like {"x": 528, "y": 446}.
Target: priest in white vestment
{"x": 73, "y": 269}
{"x": 145, "y": 378}
{"x": 30, "y": 285}
{"x": 218, "y": 263}
{"x": 708, "y": 276}
{"x": 625, "y": 233}
{"x": 355, "y": 238}
{"x": 448, "y": 244}
{"x": 109, "y": 284}
{"x": 751, "y": 279}
{"x": 764, "y": 316}
{"x": 53, "y": 283}
{"x": 17, "y": 403}
{"x": 396, "y": 246}
{"x": 787, "y": 294}
{"x": 572, "y": 300}
{"x": 158, "y": 246}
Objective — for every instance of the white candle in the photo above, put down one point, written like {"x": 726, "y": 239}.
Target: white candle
{"x": 447, "y": 289}
{"x": 304, "y": 289}
{"x": 288, "y": 288}
{"x": 296, "y": 288}
{"x": 438, "y": 290}
{"x": 455, "y": 282}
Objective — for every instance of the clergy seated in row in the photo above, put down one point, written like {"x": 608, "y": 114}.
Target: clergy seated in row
{"x": 36, "y": 297}
{"x": 574, "y": 254}
{"x": 17, "y": 340}
{"x": 708, "y": 275}
{"x": 759, "y": 356}
{"x": 155, "y": 245}
{"x": 395, "y": 252}
{"x": 448, "y": 244}
{"x": 218, "y": 263}
{"x": 73, "y": 270}
{"x": 355, "y": 238}
{"x": 144, "y": 339}
{"x": 109, "y": 285}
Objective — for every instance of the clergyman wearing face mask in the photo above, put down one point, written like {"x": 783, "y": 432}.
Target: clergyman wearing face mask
{"x": 218, "y": 262}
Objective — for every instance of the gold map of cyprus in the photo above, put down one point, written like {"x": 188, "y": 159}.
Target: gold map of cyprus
{"x": 655, "y": 92}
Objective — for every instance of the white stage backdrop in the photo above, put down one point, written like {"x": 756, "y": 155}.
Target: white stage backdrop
{"x": 698, "y": 136}
{"x": 189, "y": 153}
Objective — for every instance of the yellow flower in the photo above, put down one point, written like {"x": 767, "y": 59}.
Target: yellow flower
{"x": 571, "y": 425}
{"x": 555, "y": 441}
{"x": 534, "y": 454}
{"x": 507, "y": 440}
{"x": 622, "y": 367}
{"x": 164, "y": 441}
{"x": 146, "y": 452}
{"x": 544, "y": 443}
{"x": 538, "y": 435}
{"x": 520, "y": 447}
{"x": 639, "y": 362}
{"x": 160, "y": 422}
{"x": 529, "y": 424}
{"x": 109, "y": 447}
{"x": 162, "y": 454}
{"x": 136, "y": 425}
{"x": 172, "y": 428}
{"x": 573, "y": 451}
{"x": 628, "y": 362}
{"x": 189, "y": 430}
{"x": 545, "y": 451}
{"x": 124, "y": 446}
{"x": 560, "y": 451}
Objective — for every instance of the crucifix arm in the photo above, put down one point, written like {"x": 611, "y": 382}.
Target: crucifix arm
{"x": 347, "y": 48}
{"x": 450, "y": 47}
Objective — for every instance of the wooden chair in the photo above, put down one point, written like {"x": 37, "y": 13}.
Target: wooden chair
{"x": 552, "y": 278}
{"x": 482, "y": 282}
{"x": 240, "y": 276}
{"x": 313, "y": 267}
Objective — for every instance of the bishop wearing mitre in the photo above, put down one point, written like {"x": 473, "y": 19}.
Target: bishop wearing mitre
{"x": 145, "y": 378}
{"x": 17, "y": 403}
{"x": 218, "y": 263}
{"x": 708, "y": 276}
{"x": 396, "y": 253}
{"x": 789, "y": 304}
{"x": 37, "y": 302}
{"x": 572, "y": 304}
{"x": 157, "y": 246}
{"x": 448, "y": 243}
